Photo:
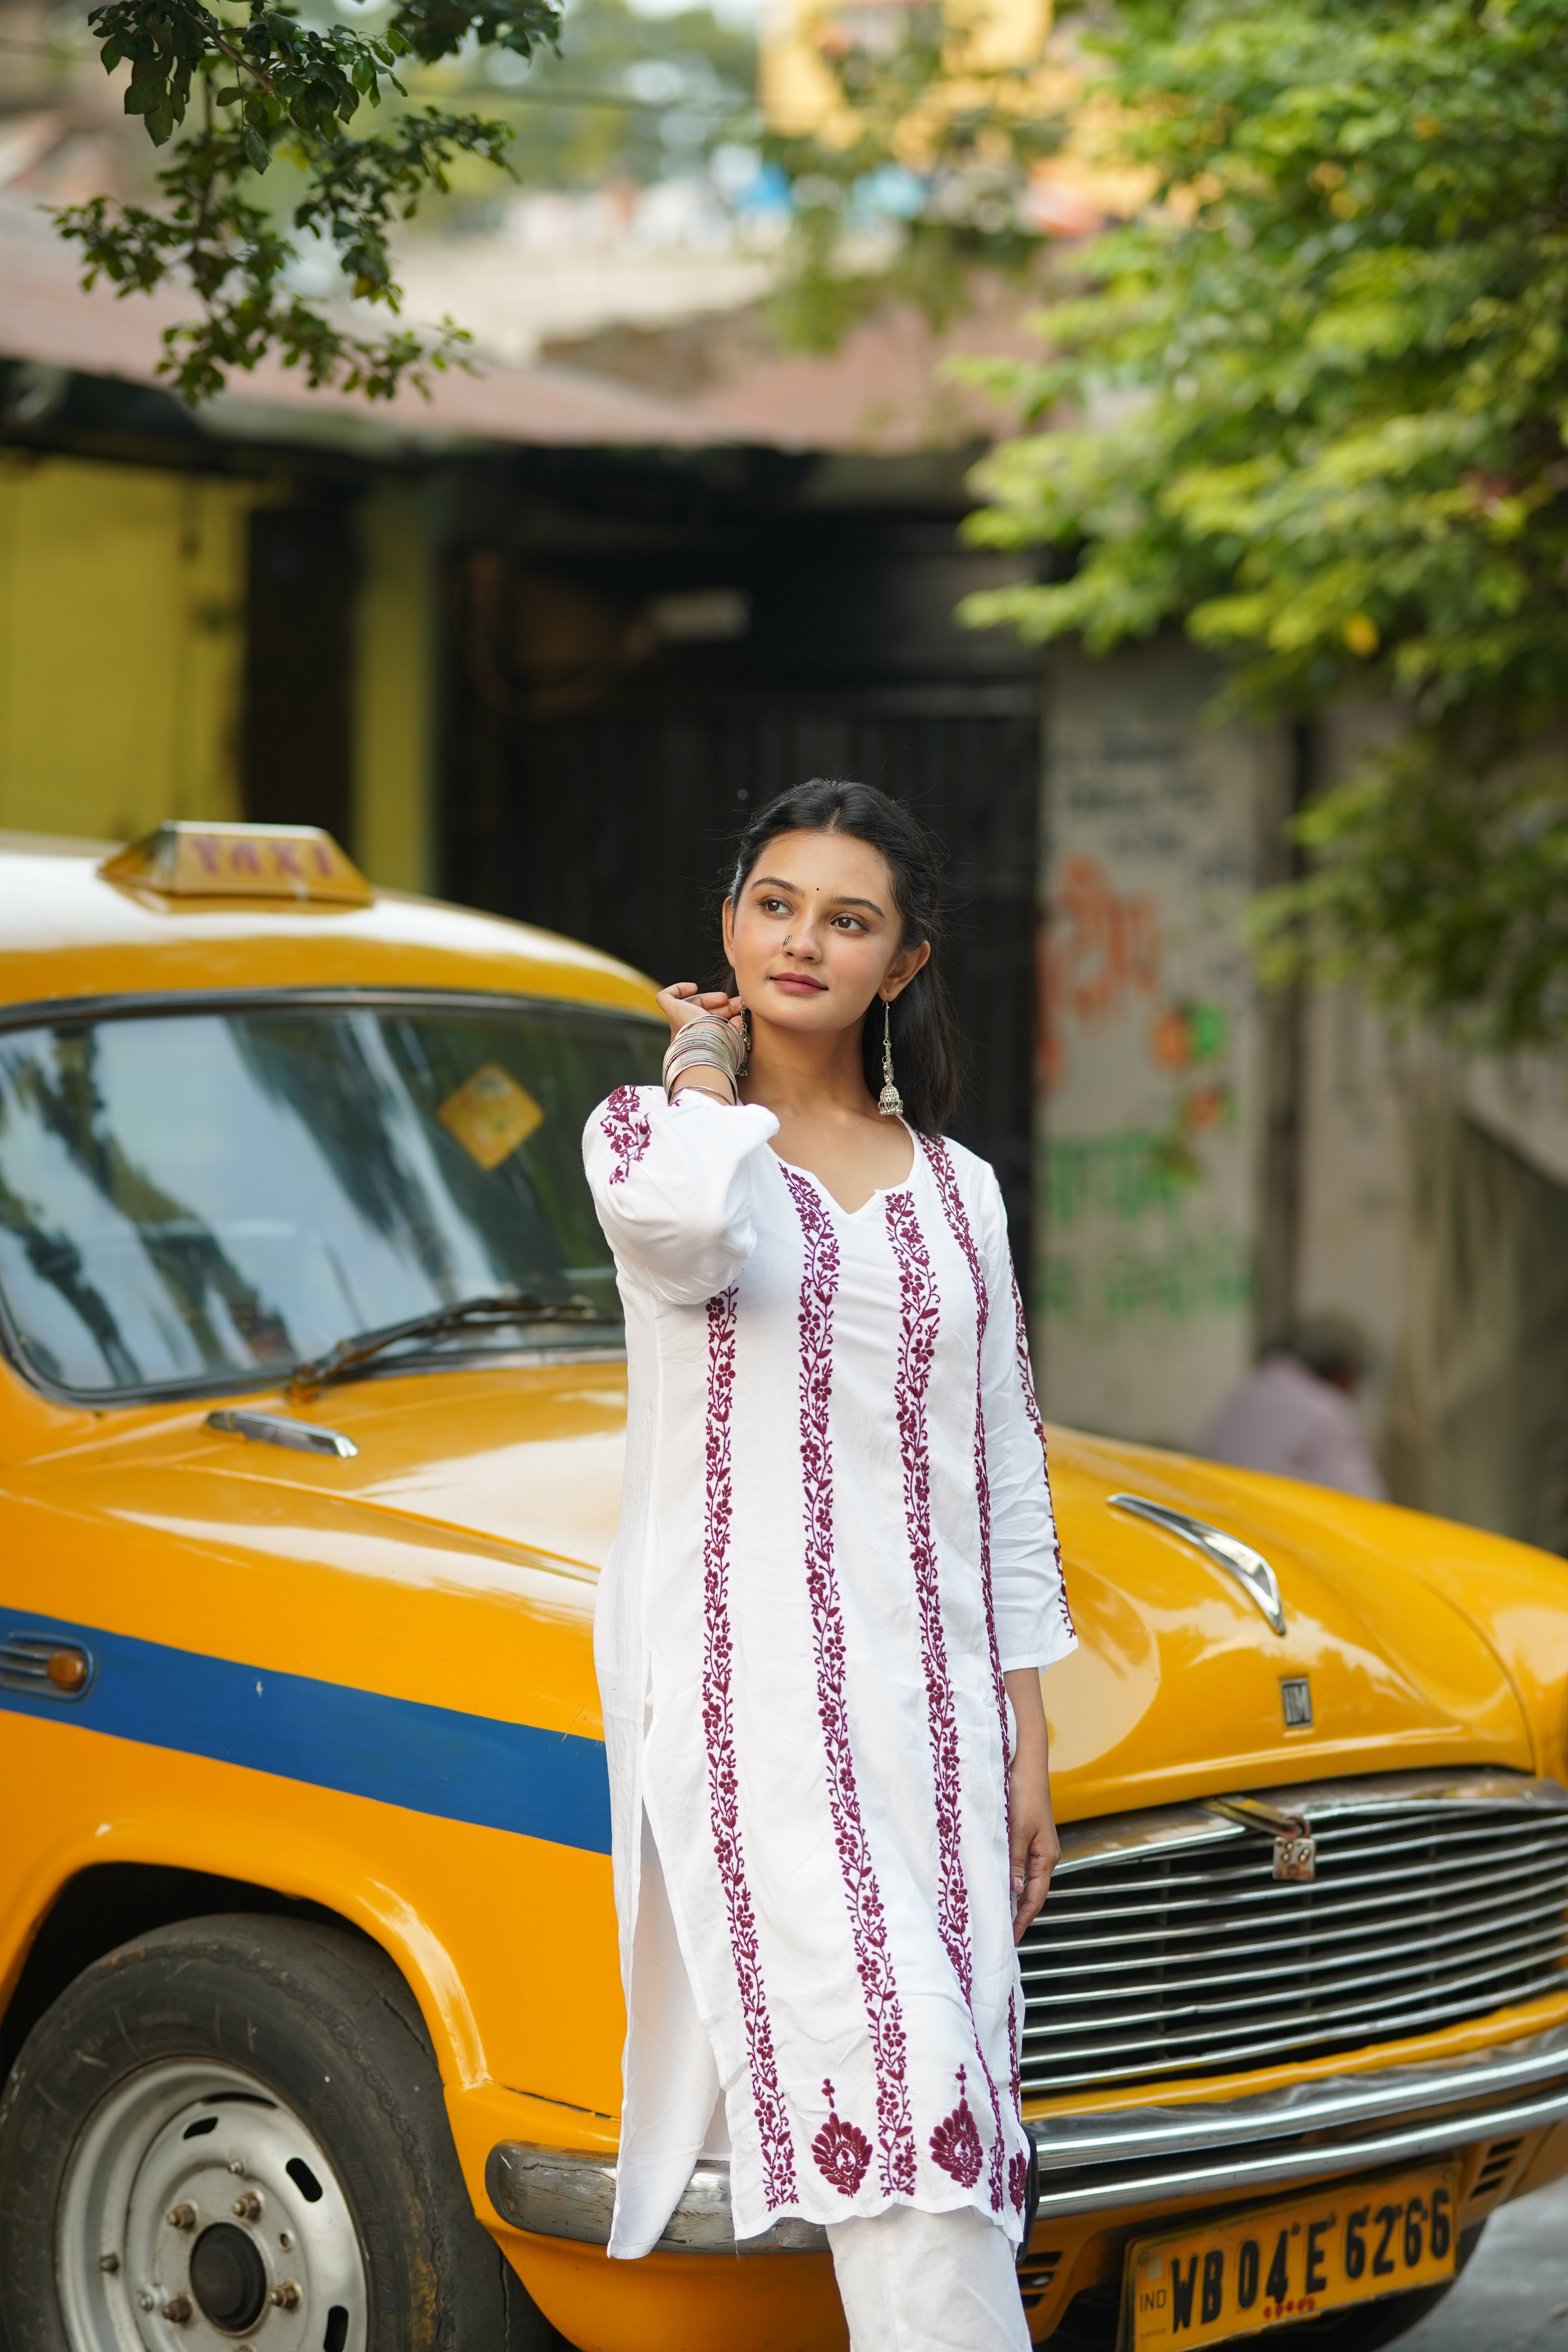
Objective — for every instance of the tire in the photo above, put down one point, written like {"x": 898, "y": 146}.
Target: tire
{"x": 234, "y": 2129}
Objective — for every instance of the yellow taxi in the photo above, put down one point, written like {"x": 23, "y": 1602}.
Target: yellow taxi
{"x": 312, "y": 1408}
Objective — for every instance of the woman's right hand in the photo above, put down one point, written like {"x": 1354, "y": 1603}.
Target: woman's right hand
{"x": 683, "y": 1001}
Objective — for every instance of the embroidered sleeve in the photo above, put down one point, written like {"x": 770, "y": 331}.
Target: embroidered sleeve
{"x": 1033, "y": 1622}
{"x": 672, "y": 1186}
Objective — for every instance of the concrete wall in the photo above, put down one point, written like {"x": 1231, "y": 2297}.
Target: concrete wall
{"x": 1212, "y": 1163}
{"x": 1354, "y": 1221}
{"x": 1150, "y": 1082}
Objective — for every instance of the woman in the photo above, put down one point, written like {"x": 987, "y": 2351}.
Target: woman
{"x": 820, "y": 1631}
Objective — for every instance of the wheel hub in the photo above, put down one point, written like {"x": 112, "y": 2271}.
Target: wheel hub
{"x": 198, "y": 2212}
{"x": 228, "y": 2277}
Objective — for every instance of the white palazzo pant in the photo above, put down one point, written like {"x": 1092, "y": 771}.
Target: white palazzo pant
{"x": 909, "y": 2281}
{"x": 914, "y": 2282}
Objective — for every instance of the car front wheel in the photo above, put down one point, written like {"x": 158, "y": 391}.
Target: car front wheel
{"x": 230, "y": 2133}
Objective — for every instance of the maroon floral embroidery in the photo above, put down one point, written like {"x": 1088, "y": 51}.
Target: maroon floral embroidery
{"x": 867, "y": 1921}
{"x": 1031, "y": 1406}
{"x": 1014, "y": 2053}
{"x": 723, "y": 1790}
{"x": 842, "y": 2150}
{"x": 921, "y": 1308}
{"x": 955, "y": 2143}
{"x": 625, "y": 1126}
{"x": 1017, "y": 2180}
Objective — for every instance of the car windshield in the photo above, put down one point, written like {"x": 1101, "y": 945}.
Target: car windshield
{"x": 197, "y": 1201}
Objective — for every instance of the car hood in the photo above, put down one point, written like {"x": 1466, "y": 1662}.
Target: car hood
{"x": 451, "y": 1560}
{"x": 454, "y": 1558}
{"x": 1178, "y": 1676}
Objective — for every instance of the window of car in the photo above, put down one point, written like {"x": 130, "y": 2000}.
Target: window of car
{"x": 197, "y": 1198}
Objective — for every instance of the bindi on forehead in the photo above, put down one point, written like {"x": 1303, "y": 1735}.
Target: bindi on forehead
{"x": 760, "y": 882}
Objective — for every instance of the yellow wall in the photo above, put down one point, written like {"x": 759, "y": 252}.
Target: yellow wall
{"x": 122, "y": 636}
{"x": 393, "y": 711}
{"x": 123, "y": 621}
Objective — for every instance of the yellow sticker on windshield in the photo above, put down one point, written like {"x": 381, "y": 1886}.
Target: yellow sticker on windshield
{"x": 490, "y": 1115}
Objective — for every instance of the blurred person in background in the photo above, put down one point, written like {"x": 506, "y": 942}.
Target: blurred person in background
{"x": 1295, "y": 1413}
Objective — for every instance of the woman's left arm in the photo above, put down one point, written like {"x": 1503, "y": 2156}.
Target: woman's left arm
{"x": 1035, "y": 1848}
{"x": 1033, "y": 1623}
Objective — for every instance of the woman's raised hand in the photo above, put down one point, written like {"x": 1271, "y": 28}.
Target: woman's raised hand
{"x": 683, "y": 1001}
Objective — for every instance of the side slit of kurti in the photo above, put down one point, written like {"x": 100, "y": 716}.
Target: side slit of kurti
{"x": 676, "y": 2079}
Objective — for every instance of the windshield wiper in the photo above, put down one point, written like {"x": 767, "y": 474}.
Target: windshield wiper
{"x": 359, "y": 1348}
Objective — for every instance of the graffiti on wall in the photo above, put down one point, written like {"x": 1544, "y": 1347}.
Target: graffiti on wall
{"x": 1146, "y": 1034}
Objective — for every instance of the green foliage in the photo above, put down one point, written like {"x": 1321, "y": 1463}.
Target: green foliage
{"x": 271, "y": 85}
{"x": 1310, "y": 404}
{"x": 923, "y": 182}
{"x": 1439, "y": 884}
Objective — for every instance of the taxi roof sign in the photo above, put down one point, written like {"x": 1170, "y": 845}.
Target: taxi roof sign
{"x": 239, "y": 861}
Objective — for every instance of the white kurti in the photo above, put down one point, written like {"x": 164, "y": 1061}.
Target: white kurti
{"x": 835, "y": 1537}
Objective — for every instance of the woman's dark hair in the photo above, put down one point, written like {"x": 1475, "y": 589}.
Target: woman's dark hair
{"x": 925, "y": 1037}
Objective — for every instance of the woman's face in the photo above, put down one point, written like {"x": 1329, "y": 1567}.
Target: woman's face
{"x": 814, "y": 935}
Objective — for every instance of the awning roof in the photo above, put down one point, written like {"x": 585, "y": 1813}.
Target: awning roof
{"x": 47, "y": 318}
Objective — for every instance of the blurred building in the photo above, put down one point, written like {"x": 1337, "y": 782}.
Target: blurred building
{"x": 545, "y": 642}
{"x": 541, "y": 642}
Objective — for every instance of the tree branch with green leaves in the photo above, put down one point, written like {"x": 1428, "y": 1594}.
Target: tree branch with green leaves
{"x": 266, "y": 85}
{"x": 1310, "y": 406}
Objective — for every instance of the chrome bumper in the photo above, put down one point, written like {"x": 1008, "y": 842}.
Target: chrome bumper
{"x": 556, "y": 2193}
{"x": 1122, "y": 2159}
{"x": 1136, "y": 2155}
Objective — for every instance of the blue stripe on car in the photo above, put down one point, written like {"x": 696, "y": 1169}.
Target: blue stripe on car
{"x": 430, "y": 1760}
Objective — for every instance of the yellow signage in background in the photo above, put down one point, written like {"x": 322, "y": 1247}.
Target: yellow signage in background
{"x": 490, "y": 1115}
{"x": 239, "y": 861}
{"x": 1348, "y": 2244}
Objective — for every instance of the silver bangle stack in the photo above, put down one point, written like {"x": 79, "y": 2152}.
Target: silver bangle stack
{"x": 708, "y": 1043}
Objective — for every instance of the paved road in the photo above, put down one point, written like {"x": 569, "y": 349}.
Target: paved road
{"x": 1514, "y": 2295}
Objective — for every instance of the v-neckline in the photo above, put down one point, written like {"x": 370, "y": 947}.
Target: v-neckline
{"x": 880, "y": 1192}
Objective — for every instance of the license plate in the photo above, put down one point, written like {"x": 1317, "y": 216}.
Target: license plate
{"x": 1204, "y": 2284}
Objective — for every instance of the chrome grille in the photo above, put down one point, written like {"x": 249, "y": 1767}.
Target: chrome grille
{"x": 1168, "y": 1949}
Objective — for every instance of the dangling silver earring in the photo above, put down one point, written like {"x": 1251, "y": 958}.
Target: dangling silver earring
{"x": 745, "y": 1041}
{"x": 889, "y": 1102}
